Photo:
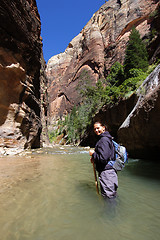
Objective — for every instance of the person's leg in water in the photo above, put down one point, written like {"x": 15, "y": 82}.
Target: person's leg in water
{"x": 109, "y": 183}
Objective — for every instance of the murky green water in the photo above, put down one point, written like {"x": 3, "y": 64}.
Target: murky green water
{"x": 50, "y": 195}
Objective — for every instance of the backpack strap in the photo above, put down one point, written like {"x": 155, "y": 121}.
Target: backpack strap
{"x": 113, "y": 152}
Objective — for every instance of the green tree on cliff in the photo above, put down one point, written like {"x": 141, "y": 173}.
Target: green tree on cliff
{"x": 116, "y": 76}
{"x": 136, "y": 55}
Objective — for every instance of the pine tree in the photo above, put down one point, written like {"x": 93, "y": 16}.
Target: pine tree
{"x": 136, "y": 55}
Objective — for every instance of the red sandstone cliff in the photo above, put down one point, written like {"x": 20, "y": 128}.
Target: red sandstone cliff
{"x": 100, "y": 43}
{"x": 20, "y": 64}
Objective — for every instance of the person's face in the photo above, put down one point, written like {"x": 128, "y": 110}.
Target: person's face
{"x": 99, "y": 129}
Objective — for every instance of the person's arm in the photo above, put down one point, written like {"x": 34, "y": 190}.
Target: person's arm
{"x": 102, "y": 152}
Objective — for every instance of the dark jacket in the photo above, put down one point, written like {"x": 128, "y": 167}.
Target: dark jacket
{"x": 103, "y": 152}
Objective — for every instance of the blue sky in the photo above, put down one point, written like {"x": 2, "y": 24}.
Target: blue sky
{"x": 62, "y": 21}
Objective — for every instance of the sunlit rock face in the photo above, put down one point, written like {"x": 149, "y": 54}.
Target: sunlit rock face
{"x": 140, "y": 132}
{"x": 93, "y": 51}
{"x": 20, "y": 63}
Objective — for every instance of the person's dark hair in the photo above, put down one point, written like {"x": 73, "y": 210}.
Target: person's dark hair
{"x": 101, "y": 122}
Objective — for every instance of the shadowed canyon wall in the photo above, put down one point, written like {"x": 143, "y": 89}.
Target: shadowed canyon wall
{"x": 21, "y": 60}
{"x": 134, "y": 122}
{"x": 91, "y": 53}
{"x": 140, "y": 132}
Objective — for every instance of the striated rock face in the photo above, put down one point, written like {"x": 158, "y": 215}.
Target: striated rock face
{"x": 20, "y": 64}
{"x": 90, "y": 54}
{"x": 140, "y": 132}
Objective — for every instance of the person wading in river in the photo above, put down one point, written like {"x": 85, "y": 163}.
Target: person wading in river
{"x": 101, "y": 156}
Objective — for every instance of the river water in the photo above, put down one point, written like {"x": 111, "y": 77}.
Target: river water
{"x": 49, "y": 194}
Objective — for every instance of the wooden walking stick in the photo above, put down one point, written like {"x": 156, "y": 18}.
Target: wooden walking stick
{"x": 95, "y": 176}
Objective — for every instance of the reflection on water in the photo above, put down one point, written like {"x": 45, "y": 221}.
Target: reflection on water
{"x": 50, "y": 194}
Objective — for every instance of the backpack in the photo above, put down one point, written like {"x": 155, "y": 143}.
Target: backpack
{"x": 120, "y": 156}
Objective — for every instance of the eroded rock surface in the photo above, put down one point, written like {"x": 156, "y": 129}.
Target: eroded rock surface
{"x": 140, "y": 132}
{"x": 20, "y": 64}
{"x": 91, "y": 54}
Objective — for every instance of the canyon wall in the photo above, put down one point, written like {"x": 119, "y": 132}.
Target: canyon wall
{"x": 140, "y": 132}
{"x": 134, "y": 122}
{"x": 20, "y": 64}
{"x": 91, "y": 53}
